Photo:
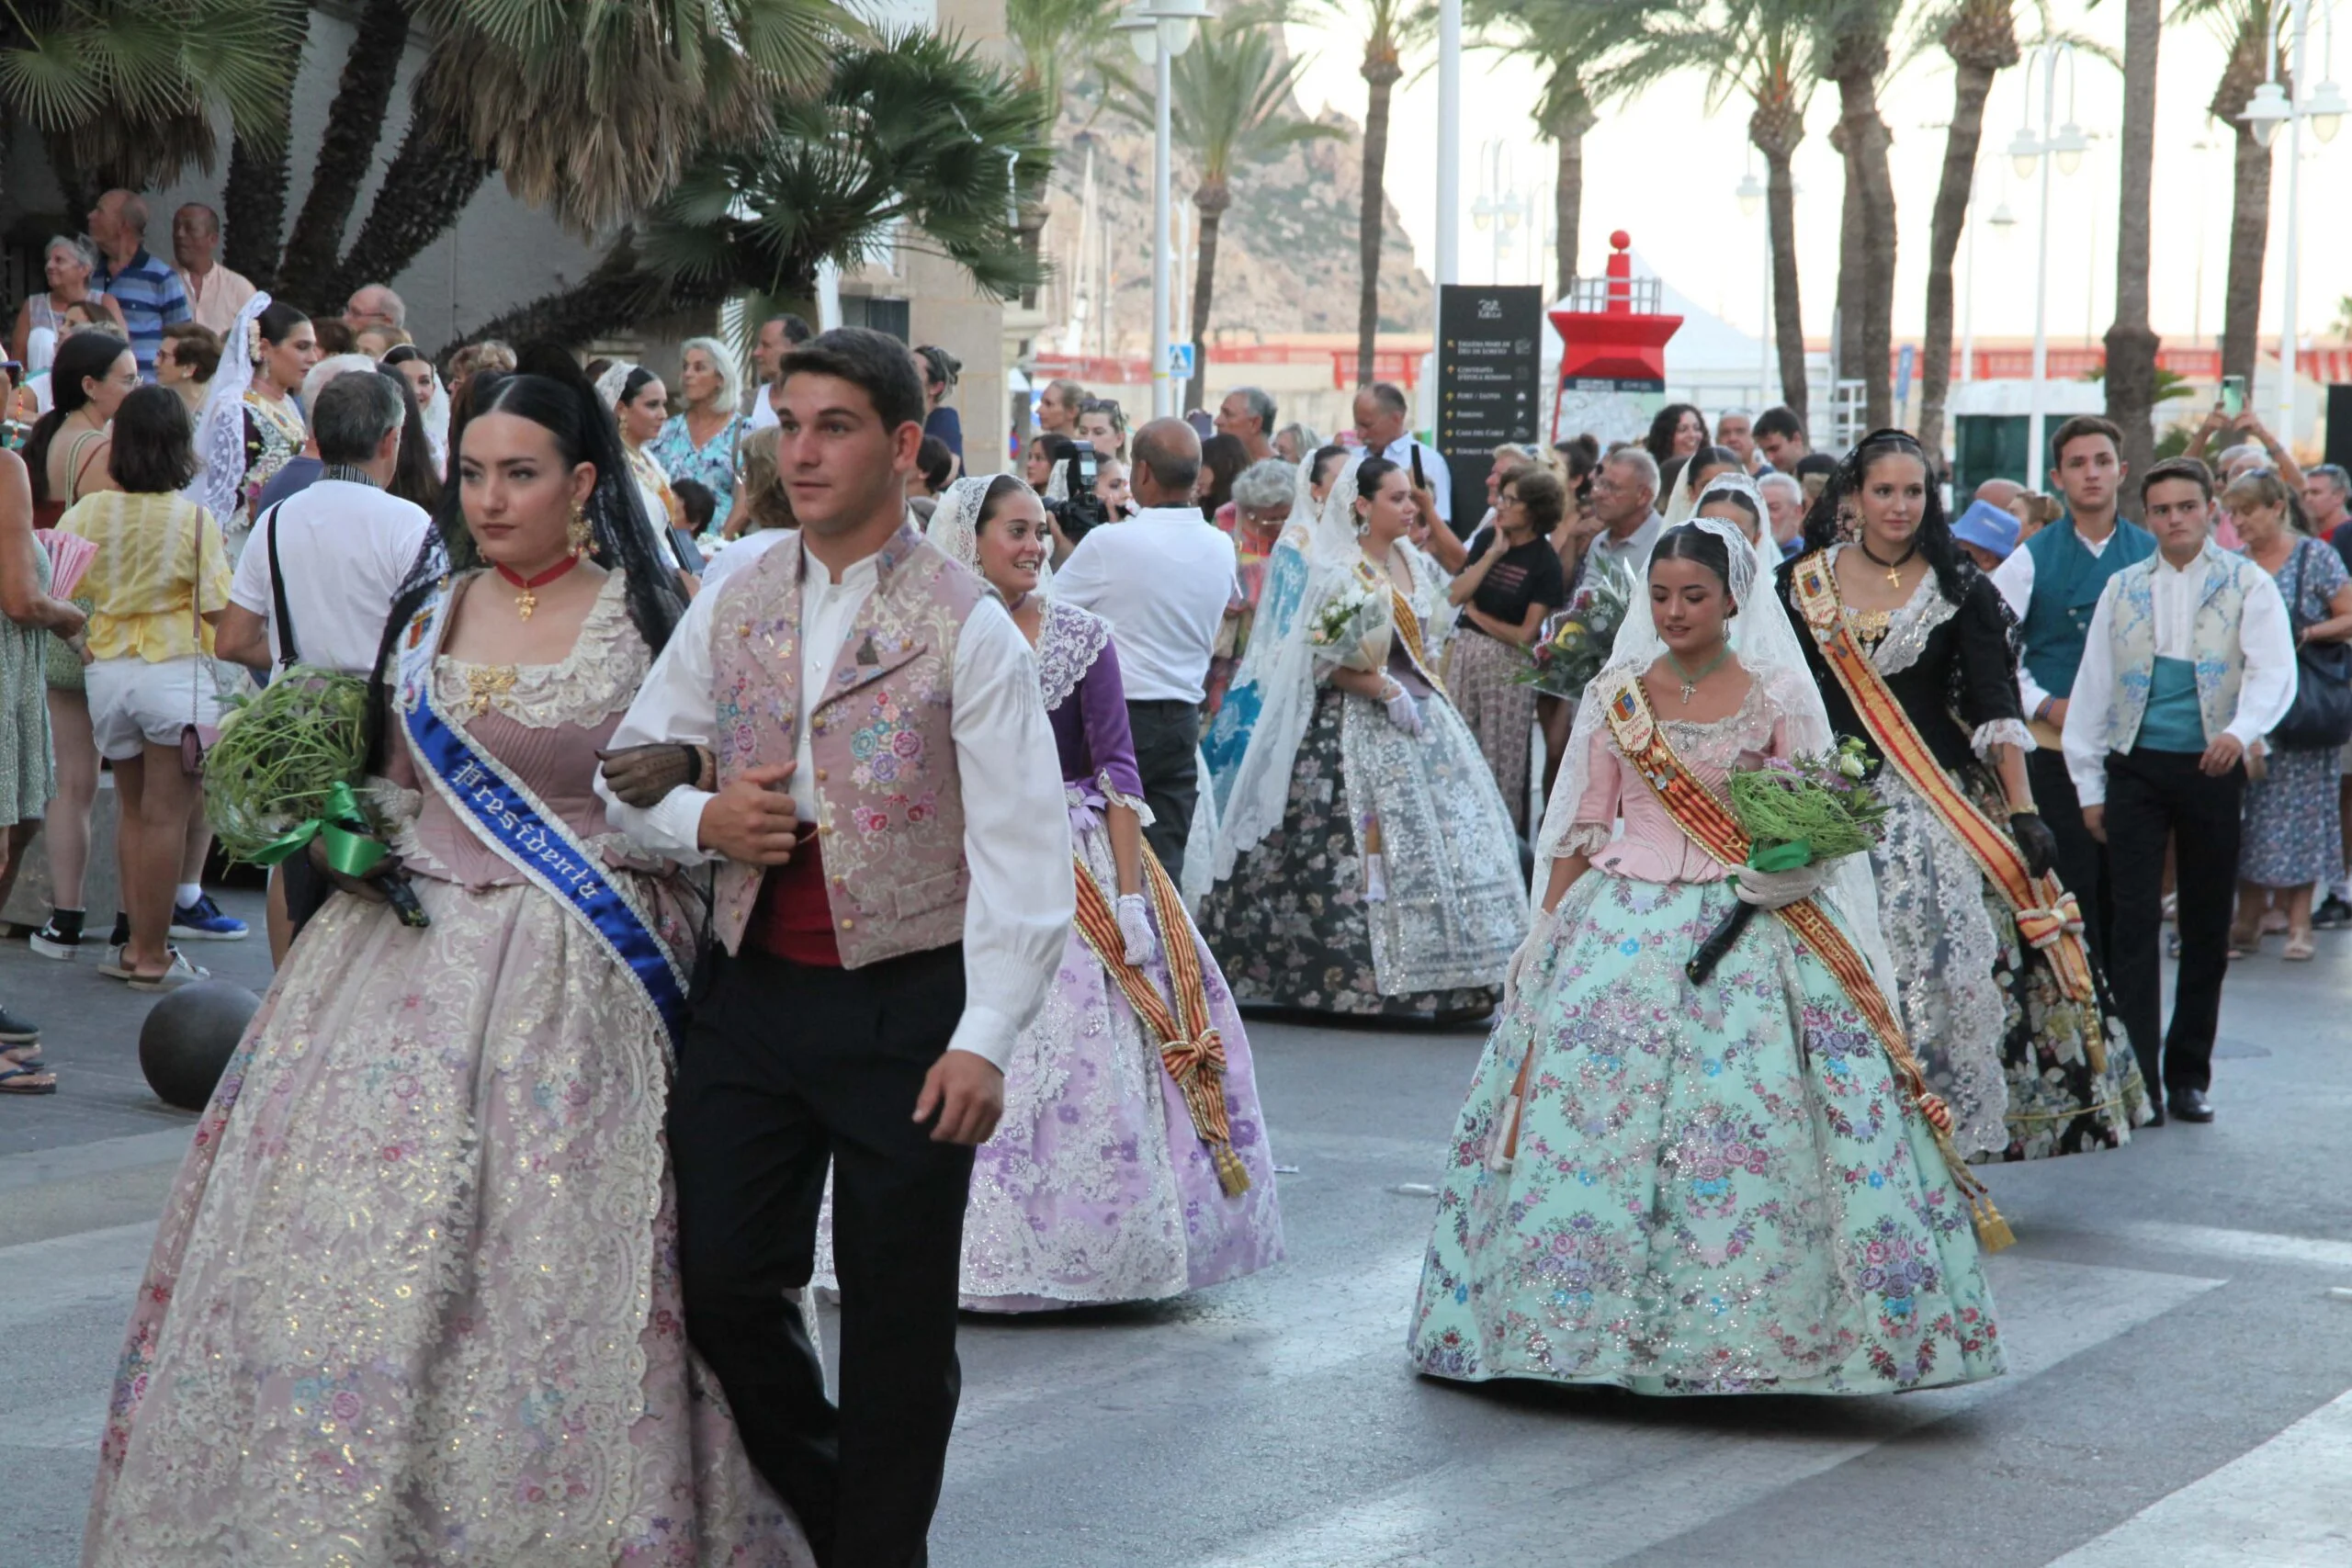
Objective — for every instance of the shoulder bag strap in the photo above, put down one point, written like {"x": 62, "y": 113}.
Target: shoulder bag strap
{"x": 76, "y": 465}
{"x": 287, "y": 652}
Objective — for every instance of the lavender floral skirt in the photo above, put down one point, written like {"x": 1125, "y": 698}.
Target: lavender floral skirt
{"x": 1095, "y": 1187}
{"x": 414, "y": 1300}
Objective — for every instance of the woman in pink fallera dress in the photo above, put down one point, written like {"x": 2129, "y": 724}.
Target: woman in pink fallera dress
{"x": 414, "y": 1300}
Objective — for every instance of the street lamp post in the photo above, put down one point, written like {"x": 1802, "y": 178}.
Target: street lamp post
{"x": 1160, "y": 30}
{"x": 2324, "y": 107}
{"x": 2064, "y": 145}
{"x": 1750, "y": 197}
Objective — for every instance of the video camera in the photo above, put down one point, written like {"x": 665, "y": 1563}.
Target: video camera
{"x": 1083, "y": 510}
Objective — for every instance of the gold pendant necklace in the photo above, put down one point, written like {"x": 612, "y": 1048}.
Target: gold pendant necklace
{"x": 1893, "y": 567}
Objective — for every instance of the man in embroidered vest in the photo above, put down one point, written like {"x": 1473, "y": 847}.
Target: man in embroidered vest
{"x": 2052, "y": 584}
{"x": 2189, "y": 661}
{"x": 892, "y": 898}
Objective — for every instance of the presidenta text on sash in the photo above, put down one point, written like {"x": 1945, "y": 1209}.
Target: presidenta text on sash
{"x": 515, "y": 824}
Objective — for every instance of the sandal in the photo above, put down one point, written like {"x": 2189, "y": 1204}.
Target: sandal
{"x": 15, "y": 1079}
{"x": 2245, "y": 943}
{"x": 178, "y": 972}
{"x": 25, "y": 1057}
{"x": 2300, "y": 947}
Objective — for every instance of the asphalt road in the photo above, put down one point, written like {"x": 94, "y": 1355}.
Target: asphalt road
{"x": 2178, "y": 1316}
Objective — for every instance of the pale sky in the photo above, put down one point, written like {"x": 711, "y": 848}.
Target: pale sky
{"x": 1665, "y": 171}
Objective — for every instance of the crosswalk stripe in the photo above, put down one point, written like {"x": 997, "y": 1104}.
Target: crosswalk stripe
{"x": 1493, "y": 1507}
{"x": 2279, "y": 1506}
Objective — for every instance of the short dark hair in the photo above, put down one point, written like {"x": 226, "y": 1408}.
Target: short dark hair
{"x": 1779, "y": 420}
{"x": 796, "y": 330}
{"x": 155, "y": 446}
{"x": 2083, "y": 424}
{"x": 1815, "y": 463}
{"x": 2192, "y": 469}
{"x": 353, "y": 415}
{"x": 1172, "y": 469}
{"x": 194, "y": 345}
{"x": 875, "y": 363}
{"x": 1540, "y": 491}
{"x": 696, "y": 502}
{"x": 936, "y": 462}
{"x": 334, "y": 334}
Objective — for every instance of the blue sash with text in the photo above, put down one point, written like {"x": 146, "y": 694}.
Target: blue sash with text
{"x": 513, "y": 822}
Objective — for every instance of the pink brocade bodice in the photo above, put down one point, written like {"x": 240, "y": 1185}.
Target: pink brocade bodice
{"x": 1652, "y": 847}
{"x": 558, "y": 765}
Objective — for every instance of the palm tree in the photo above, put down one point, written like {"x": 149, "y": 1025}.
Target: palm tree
{"x": 1055, "y": 35}
{"x": 1854, "y": 53}
{"x": 588, "y": 108}
{"x": 1230, "y": 104}
{"x": 914, "y": 140}
{"x": 1762, "y": 51}
{"x": 1390, "y": 29}
{"x": 1627, "y": 44}
{"x": 2132, "y": 379}
{"x": 2246, "y": 27}
{"x": 123, "y": 92}
{"x": 1981, "y": 38}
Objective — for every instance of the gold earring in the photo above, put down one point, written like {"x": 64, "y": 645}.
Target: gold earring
{"x": 583, "y": 537}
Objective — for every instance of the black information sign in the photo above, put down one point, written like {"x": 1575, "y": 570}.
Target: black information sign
{"x": 1490, "y": 383}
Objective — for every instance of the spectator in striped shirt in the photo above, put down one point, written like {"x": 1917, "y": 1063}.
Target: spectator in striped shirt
{"x": 146, "y": 291}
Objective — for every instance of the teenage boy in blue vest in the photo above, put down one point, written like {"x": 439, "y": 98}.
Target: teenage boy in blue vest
{"x": 2053, "y": 583}
{"x": 2189, "y": 661}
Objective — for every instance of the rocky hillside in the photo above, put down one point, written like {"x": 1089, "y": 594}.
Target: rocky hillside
{"x": 1287, "y": 253}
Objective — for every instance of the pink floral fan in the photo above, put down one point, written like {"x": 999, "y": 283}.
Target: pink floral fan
{"x": 69, "y": 557}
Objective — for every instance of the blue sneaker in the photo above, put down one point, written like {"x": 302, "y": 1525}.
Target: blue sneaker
{"x": 203, "y": 921}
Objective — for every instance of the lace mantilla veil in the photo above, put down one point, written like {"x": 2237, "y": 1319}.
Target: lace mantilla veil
{"x": 1311, "y": 561}
{"x": 1767, "y": 548}
{"x": 221, "y": 423}
{"x": 1767, "y": 646}
{"x": 955, "y": 526}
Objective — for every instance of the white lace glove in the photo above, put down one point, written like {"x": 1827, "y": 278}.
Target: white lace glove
{"x": 1135, "y": 925}
{"x": 1779, "y": 889}
{"x": 1541, "y": 935}
{"x": 1403, "y": 711}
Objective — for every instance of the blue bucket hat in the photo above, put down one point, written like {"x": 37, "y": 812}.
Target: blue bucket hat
{"x": 1988, "y": 527}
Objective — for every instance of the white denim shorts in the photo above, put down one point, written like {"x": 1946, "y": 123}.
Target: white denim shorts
{"x": 135, "y": 704}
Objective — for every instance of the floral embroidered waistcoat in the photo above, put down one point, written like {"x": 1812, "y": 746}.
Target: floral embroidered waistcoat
{"x": 2215, "y": 647}
{"x": 889, "y": 797}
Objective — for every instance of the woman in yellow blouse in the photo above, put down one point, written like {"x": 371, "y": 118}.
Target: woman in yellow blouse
{"x": 159, "y": 581}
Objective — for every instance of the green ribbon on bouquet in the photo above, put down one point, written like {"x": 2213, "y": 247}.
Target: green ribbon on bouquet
{"x": 1781, "y": 857}
{"x": 353, "y": 848}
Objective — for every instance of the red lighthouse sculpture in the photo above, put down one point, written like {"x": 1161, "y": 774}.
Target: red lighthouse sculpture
{"x": 1613, "y": 337}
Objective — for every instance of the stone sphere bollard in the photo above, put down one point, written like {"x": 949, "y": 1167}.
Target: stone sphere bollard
{"x": 189, "y": 1038}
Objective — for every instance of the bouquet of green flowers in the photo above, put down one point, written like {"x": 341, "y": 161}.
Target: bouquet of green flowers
{"x": 1796, "y": 812}
{"x": 1343, "y": 622}
{"x": 285, "y": 770}
{"x": 1576, "y": 640}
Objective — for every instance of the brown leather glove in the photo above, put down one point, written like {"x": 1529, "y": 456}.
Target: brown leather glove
{"x": 643, "y": 776}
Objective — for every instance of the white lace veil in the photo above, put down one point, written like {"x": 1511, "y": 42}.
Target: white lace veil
{"x": 1768, "y": 549}
{"x": 221, "y": 423}
{"x": 1315, "y": 556}
{"x": 954, "y": 527}
{"x": 609, "y": 385}
{"x": 1765, "y": 644}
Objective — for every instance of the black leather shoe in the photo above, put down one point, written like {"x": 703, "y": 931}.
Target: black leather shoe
{"x": 2189, "y": 1105}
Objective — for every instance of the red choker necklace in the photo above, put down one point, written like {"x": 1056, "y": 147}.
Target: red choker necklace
{"x": 527, "y": 601}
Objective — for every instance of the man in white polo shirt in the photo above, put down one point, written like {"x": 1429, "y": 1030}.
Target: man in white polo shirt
{"x": 339, "y": 550}
{"x": 1162, "y": 579}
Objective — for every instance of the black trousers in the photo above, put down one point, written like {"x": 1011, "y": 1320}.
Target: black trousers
{"x": 2153, "y": 795}
{"x": 2082, "y": 860}
{"x": 1168, "y": 741}
{"x": 785, "y": 1067}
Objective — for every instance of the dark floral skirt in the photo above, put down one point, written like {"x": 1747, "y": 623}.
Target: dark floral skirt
{"x": 1288, "y": 926}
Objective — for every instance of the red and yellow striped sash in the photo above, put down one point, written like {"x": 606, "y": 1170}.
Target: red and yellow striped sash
{"x": 1409, "y": 631}
{"x": 2047, "y": 915}
{"x": 1709, "y": 823}
{"x": 1192, "y": 1053}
